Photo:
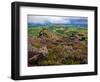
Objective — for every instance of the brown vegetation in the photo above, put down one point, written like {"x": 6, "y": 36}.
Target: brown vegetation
{"x": 50, "y": 49}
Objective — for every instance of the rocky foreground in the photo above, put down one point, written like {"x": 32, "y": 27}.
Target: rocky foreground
{"x": 50, "y": 49}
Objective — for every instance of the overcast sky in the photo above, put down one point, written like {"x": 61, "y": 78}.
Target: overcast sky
{"x": 56, "y": 19}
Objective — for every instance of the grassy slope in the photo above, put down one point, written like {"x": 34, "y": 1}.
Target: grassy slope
{"x": 54, "y": 57}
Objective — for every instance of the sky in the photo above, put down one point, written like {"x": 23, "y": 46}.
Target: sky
{"x": 57, "y": 20}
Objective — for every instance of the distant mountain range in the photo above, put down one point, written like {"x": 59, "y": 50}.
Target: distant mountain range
{"x": 47, "y": 24}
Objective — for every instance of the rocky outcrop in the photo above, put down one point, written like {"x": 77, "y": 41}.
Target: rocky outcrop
{"x": 35, "y": 54}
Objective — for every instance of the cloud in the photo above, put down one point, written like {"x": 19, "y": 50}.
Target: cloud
{"x": 36, "y": 19}
{"x": 56, "y": 19}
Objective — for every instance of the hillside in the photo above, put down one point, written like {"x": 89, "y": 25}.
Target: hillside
{"x": 56, "y": 45}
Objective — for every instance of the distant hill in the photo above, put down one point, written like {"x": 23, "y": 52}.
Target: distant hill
{"x": 47, "y": 24}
